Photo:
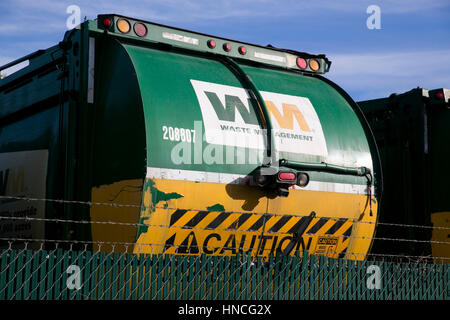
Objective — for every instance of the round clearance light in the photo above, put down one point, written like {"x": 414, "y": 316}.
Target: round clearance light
{"x": 314, "y": 64}
{"x": 242, "y": 50}
{"x": 302, "y": 179}
{"x": 140, "y": 29}
{"x": 227, "y": 47}
{"x": 439, "y": 95}
{"x": 301, "y": 63}
{"x": 107, "y": 23}
{"x": 211, "y": 44}
{"x": 123, "y": 26}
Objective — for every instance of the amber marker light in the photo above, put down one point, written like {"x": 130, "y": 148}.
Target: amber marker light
{"x": 123, "y": 26}
{"x": 314, "y": 64}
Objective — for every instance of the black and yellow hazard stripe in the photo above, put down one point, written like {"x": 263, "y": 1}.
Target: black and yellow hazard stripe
{"x": 192, "y": 232}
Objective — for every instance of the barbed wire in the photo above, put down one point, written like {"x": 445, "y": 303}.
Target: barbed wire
{"x": 266, "y": 232}
{"x": 137, "y": 247}
{"x": 143, "y": 207}
{"x": 224, "y": 229}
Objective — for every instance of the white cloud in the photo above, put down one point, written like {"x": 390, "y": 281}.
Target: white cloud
{"x": 52, "y": 12}
{"x": 378, "y": 75}
{"x": 375, "y": 74}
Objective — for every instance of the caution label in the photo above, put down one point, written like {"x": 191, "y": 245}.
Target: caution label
{"x": 328, "y": 241}
{"x": 326, "y": 245}
{"x": 227, "y": 233}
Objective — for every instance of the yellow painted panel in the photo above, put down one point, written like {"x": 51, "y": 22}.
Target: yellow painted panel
{"x": 126, "y": 192}
{"x": 191, "y": 224}
{"x": 441, "y": 250}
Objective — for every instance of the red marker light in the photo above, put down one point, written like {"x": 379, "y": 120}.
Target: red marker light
{"x": 439, "y": 95}
{"x": 242, "y": 50}
{"x": 211, "y": 44}
{"x": 301, "y": 63}
{"x": 227, "y": 47}
{"x": 107, "y": 23}
{"x": 288, "y": 176}
{"x": 140, "y": 29}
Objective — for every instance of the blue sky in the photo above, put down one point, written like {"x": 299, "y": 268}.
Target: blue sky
{"x": 412, "y": 48}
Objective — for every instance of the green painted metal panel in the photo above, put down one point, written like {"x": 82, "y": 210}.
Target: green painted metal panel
{"x": 162, "y": 73}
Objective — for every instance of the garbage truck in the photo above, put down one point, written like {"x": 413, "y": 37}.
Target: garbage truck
{"x": 411, "y": 131}
{"x": 146, "y": 138}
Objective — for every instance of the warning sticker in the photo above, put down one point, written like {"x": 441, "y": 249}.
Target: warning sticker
{"x": 326, "y": 245}
{"x": 228, "y": 233}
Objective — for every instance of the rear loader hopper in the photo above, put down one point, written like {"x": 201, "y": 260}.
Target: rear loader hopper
{"x": 161, "y": 140}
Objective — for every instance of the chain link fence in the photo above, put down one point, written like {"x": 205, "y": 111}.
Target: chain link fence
{"x": 61, "y": 274}
{"x": 61, "y": 269}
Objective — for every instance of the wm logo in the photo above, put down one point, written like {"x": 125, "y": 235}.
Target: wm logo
{"x": 232, "y": 118}
{"x": 285, "y": 119}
